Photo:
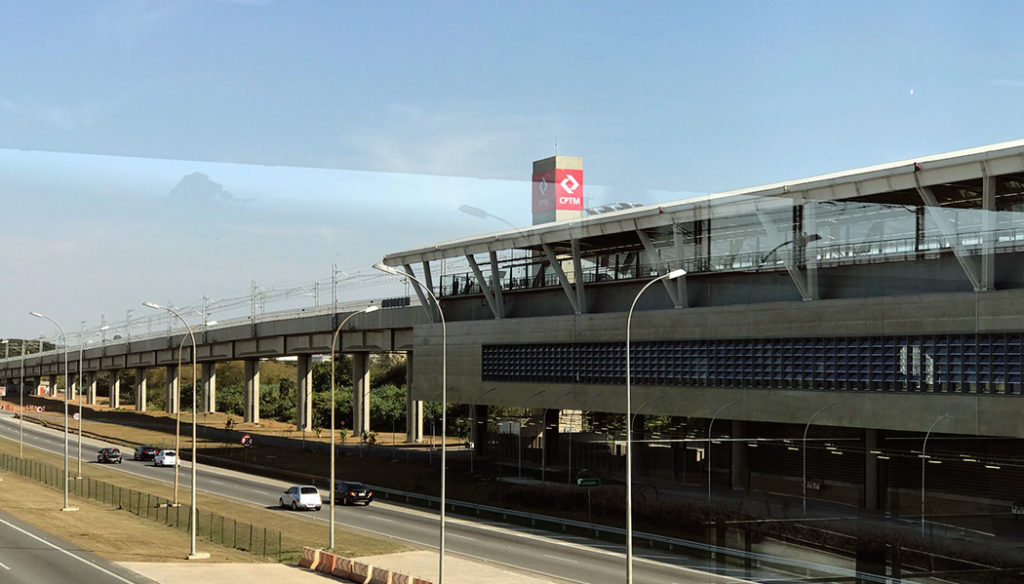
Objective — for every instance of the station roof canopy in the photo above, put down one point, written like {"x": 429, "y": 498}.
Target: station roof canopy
{"x": 954, "y": 177}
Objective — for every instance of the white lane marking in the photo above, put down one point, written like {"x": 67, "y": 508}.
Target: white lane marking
{"x": 560, "y": 558}
{"x": 66, "y": 552}
{"x": 4, "y": 566}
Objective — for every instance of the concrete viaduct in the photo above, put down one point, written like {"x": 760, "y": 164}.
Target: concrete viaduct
{"x": 300, "y": 336}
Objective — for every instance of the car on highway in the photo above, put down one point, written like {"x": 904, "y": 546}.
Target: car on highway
{"x": 145, "y": 453}
{"x": 165, "y": 458}
{"x": 301, "y": 497}
{"x": 352, "y": 492}
{"x": 111, "y": 455}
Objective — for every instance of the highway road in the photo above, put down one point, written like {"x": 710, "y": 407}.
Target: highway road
{"x": 30, "y": 556}
{"x": 547, "y": 554}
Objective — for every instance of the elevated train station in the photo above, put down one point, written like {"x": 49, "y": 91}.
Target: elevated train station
{"x": 867, "y": 309}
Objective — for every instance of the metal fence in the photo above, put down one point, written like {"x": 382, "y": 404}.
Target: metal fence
{"x": 225, "y": 531}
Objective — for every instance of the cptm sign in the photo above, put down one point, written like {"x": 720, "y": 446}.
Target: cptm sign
{"x": 558, "y": 189}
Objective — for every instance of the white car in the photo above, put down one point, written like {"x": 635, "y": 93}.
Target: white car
{"x": 301, "y": 497}
{"x": 165, "y": 458}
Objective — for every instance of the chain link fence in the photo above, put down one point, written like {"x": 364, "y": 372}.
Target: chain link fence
{"x": 226, "y": 531}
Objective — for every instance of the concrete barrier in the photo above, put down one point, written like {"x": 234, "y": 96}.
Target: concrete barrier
{"x": 343, "y": 568}
{"x": 380, "y": 576}
{"x": 327, "y": 563}
{"x": 358, "y": 572}
{"x": 361, "y": 573}
{"x": 310, "y": 558}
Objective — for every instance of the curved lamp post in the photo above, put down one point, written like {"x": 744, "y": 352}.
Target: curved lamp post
{"x": 334, "y": 343}
{"x": 629, "y": 427}
{"x": 444, "y": 400}
{"x": 67, "y": 389}
{"x": 192, "y": 554}
{"x": 803, "y": 449}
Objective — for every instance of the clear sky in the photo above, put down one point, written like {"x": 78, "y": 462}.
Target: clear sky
{"x": 169, "y": 149}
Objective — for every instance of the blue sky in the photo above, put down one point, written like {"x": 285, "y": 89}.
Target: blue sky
{"x": 341, "y": 131}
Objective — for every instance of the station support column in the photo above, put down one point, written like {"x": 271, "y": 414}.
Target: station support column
{"x": 140, "y": 389}
{"x": 413, "y": 408}
{"x": 304, "y": 399}
{"x": 360, "y": 394}
{"x": 209, "y": 381}
{"x": 173, "y": 389}
{"x": 252, "y": 391}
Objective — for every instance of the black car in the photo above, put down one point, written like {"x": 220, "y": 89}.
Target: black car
{"x": 145, "y": 453}
{"x": 112, "y": 455}
{"x": 352, "y": 492}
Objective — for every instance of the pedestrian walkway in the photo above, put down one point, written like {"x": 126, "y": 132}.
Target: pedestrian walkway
{"x": 414, "y": 563}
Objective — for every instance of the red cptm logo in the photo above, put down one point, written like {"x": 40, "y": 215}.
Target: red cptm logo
{"x": 558, "y": 189}
{"x": 570, "y": 190}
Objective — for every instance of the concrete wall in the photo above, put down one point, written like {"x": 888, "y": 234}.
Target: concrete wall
{"x": 977, "y": 414}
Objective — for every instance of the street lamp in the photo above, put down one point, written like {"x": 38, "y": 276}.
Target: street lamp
{"x": 64, "y": 339}
{"x": 629, "y": 426}
{"x": 444, "y": 401}
{"x": 334, "y": 342}
{"x": 803, "y": 448}
{"x": 192, "y": 555}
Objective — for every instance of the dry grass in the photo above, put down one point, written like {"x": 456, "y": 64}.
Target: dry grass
{"x": 115, "y": 535}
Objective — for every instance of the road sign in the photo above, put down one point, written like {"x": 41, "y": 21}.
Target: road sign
{"x": 39, "y": 408}
{"x": 3, "y": 391}
{"x": 247, "y": 440}
{"x": 75, "y": 416}
{"x": 587, "y": 483}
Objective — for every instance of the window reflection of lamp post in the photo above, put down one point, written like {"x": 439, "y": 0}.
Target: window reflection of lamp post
{"x": 444, "y": 400}
{"x": 803, "y": 448}
{"x": 629, "y": 426}
{"x": 334, "y": 343}
{"x": 67, "y": 389}
{"x": 81, "y": 378}
{"x": 707, "y": 458}
{"x": 924, "y": 460}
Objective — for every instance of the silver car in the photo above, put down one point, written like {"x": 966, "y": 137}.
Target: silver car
{"x": 301, "y": 497}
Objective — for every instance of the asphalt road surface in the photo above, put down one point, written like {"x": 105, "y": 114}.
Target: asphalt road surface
{"x": 31, "y": 556}
{"x": 548, "y": 554}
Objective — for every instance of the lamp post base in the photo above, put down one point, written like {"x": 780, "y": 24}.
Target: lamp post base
{"x": 198, "y": 556}
{"x": 69, "y": 508}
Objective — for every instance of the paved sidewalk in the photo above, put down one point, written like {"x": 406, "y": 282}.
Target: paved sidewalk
{"x": 415, "y": 563}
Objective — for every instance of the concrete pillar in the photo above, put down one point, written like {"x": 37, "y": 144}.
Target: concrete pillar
{"x": 870, "y": 470}
{"x": 140, "y": 389}
{"x": 550, "y": 436}
{"x": 76, "y": 383}
{"x": 209, "y": 373}
{"x": 173, "y": 389}
{"x": 360, "y": 393}
{"x": 413, "y": 408}
{"x": 478, "y": 429}
{"x": 740, "y": 453}
{"x": 115, "y": 388}
{"x": 304, "y": 399}
{"x": 252, "y": 391}
{"x": 92, "y": 383}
